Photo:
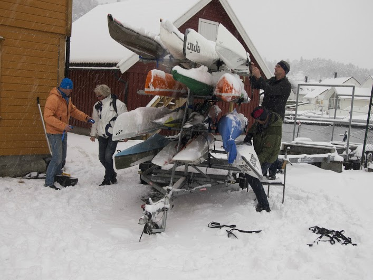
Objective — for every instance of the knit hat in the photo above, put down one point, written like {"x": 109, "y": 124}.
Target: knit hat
{"x": 260, "y": 113}
{"x": 284, "y": 65}
{"x": 66, "y": 83}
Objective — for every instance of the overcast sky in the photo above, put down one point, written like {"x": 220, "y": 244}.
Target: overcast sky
{"x": 340, "y": 30}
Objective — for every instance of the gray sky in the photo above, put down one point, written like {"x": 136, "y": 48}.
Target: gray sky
{"x": 340, "y": 30}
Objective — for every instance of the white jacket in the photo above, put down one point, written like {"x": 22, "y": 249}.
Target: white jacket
{"x": 105, "y": 118}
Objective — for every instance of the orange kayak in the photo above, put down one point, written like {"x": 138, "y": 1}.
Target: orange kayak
{"x": 161, "y": 83}
{"x": 230, "y": 88}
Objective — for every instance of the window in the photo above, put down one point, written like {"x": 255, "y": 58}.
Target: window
{"x": 208, "y": 29}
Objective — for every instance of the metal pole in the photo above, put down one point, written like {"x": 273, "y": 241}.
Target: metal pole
{"x": 349, "y": 125}
{"x": 42, "y": 121}
{"x": 296, "y": 112}
{"x": 366, "y": 128}
{"x": 352, "y": 106}
{"x": 335, "y": 113}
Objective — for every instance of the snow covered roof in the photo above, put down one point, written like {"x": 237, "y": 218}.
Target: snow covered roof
{"x": 90, "y": 38}
{"x": 312, "y": 92}
{"x": 360, "y": 93}
{"x": 91, "y": 42}
{"x": 339, "y": 81}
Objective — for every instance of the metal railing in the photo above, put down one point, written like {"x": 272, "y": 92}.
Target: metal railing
{"x": 334, "y": 120}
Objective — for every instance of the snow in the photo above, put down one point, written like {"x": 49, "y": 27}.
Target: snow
{"x": 90, "y": 38}
{"x": 199, "y": 74}
{"x": 91, "y": 232}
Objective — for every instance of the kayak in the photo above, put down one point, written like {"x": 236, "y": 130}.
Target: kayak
{"x": 161, "y": 83}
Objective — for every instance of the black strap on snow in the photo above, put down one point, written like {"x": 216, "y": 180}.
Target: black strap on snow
{"x": 232, "y": 228}
{"x": 218, "y": 225}
{"x": 332, "y": 235}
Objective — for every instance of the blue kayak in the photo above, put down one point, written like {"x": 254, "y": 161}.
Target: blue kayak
{"x": 140, "y": 152}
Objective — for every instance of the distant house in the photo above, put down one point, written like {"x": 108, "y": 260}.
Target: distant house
{"x": 96, "y": 57}
{"x": 360, "y": 102}
{"x": 32, "y": 61}
{"x": 368, "y": 83}
{"x": 324, "y": 98}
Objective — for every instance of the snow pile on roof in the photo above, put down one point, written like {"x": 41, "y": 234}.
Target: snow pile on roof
{"x": 336, "y": 81}
{"x": 312, "y": 92}
{"x": 366, "y": 92}
{"x": 90, "y": 38}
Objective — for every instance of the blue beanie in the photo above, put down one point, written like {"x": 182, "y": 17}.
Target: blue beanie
{"x": 66, "y": 84}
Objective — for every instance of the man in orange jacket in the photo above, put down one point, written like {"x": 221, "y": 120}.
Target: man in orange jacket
{"x": 57, "y": 112}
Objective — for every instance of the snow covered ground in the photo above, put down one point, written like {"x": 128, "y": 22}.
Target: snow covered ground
{"x": 91, "y": 232}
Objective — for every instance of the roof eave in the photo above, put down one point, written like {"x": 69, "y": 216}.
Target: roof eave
{"x": 246, "y": 38}
{"x": 191, "y": 12}
{"x": 124, "y": 65}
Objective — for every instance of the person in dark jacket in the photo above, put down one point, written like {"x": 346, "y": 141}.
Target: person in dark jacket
{"x": 276, "y": 89}
{"x": 276, "y": 93}
{"x": 266, "y": 135}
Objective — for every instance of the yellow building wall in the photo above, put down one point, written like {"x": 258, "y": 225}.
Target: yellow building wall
{"x": 32, "y": 57}
{"x": 32, "y": 61}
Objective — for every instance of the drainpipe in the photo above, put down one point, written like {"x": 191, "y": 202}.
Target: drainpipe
{"x": 67, "y": 60}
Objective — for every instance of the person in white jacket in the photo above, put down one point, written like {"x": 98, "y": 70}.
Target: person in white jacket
{"x": 105, "y": 114}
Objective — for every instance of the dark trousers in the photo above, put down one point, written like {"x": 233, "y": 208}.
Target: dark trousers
{"x": 106, "y": 150}
{"x": 257, "y": 187}
{"x": 271, "y": 167}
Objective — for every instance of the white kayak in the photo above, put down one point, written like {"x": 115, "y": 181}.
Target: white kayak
{"x": 247, "y": 160}
{"x": 230, "y": 50}
{"x": 172, "y": 38}
{"x": 165, "y": 156}
{"x": 195, "y": 151}
{"x": 199, "y": 50}
{"x": 138, "y": 122}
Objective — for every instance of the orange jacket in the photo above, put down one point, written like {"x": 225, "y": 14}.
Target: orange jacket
{"x": 57, "y": 113}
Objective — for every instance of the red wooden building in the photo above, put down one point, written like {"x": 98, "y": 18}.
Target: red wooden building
{"x": 87, "y": 70}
